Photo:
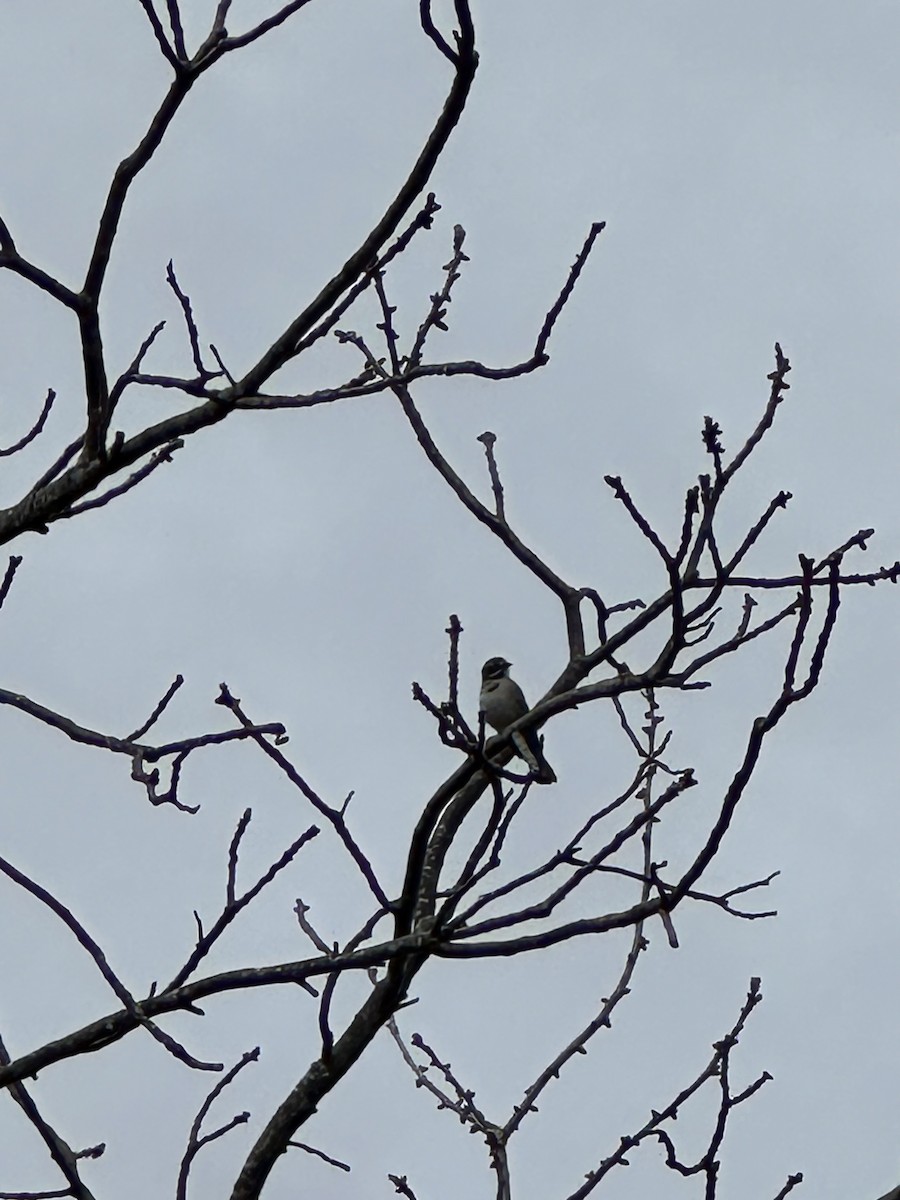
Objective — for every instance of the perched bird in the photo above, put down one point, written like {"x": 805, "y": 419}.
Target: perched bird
{"x": 503, "y": 702}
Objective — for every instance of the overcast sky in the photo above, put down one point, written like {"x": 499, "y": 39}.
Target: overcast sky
{"x": 745, "y": 160}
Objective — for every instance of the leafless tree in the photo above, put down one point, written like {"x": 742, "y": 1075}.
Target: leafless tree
{"x": 464, "y": 894}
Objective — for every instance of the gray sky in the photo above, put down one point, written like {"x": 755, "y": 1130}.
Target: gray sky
{"x": 745, "y": 159}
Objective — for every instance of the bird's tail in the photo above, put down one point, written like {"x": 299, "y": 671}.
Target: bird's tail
{"x": 531, "y": 749}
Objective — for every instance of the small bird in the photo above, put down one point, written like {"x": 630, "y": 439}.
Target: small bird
{"x": 503, "y": 702}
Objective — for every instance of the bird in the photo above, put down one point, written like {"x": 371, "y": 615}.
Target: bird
{"x": 503, "y": 702}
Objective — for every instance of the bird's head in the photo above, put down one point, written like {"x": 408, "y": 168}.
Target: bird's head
{"x": 495, "y": 668}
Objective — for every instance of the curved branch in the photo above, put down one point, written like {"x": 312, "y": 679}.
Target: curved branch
{"x": 284, "y": 348}
{"x": 34, "y": 430}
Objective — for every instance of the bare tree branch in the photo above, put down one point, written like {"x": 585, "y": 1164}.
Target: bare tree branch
{"x": 159, "y": 33}
{"x": 87, "y": 942}
{"x": 235, "y": 904}
{"x": 196, "y": 1140}
{"x": 332, "y": 815}
{"x": 60, "y": 1152}
{"x": 34, "y": 430}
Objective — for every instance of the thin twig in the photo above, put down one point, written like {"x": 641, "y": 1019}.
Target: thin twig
{"x": 160, "y": 457}
{"x": 85, "y": 940}
{"x": 196, "y": 1140}
{"x": 332, "y": 1162}
{"x": 158, "y": 711}
{"x": 61, "y": 1153}
{"x": 234, "y": 905}
{"x": 34, "y": 430}
{"x": 332, "y": 815}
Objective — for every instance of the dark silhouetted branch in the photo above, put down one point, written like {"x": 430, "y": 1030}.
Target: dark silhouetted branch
{"x": 34, "y": 430}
